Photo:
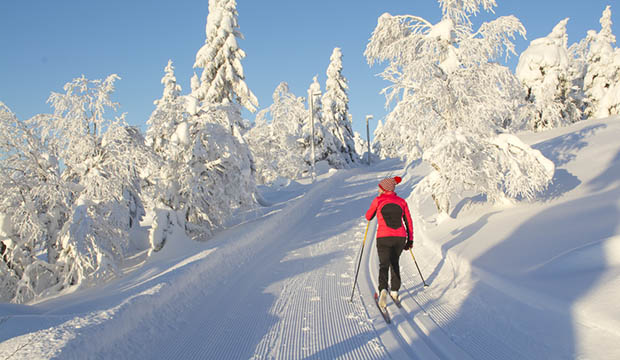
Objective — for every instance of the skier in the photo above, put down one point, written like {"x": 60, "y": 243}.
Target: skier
{"x": 394, "y": 234}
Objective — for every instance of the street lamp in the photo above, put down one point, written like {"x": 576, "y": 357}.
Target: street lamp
{"x": 311, "y": 96}
{"x": 368, "y": 117}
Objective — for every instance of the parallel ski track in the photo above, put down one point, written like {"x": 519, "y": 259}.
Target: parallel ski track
{"x": 317, "y": 320}
{"x": 268, "y": 292}
{"x": 486, "y": 341}
{"x": 428, "y": 330}
{"x": 411, "y": 340}
{"x": 306, "y": 314}
{"x": 310, "y": 314}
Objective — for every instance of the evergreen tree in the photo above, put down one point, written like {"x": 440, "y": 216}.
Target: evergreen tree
{"x": 219, "y": 178}
{"x": 378, "y": 139}
{"x": 206, "y": 171}
{"x": 168, "y": 114}
{"x": 602, "y": 80}
{"x": 168, "y": 135}
{"x": 335, "y": 108}
{"x": 277, "y": 144}
{"x": 578, "y": 67}
{"x": 545, "y": 70}
{"x": 222, "y": 79}
{"x": 361, "y": 145}
{"x": 325, "y": 148}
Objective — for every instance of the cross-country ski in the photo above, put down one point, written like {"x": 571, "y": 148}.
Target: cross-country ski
{"x": 382, "y": 309}
{"x": 396, "y": 300}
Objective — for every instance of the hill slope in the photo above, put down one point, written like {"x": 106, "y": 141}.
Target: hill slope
{"x": 536, "y": 281}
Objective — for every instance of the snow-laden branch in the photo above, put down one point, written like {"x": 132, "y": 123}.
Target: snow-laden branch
{"x": 451, "y": 98}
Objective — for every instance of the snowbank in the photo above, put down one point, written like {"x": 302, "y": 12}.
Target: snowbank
{"x": 560, "y": 253}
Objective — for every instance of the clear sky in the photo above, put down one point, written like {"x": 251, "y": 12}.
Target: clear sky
{"x": 45, "y": 44}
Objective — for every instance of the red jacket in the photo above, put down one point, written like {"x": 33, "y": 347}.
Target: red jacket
{"x": 392, "y": 213}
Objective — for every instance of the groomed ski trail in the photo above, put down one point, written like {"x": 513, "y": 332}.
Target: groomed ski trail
{"x": 277, "y": 287}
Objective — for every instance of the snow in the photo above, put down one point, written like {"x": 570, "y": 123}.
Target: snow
{"x": 544, "y": 53}
{"x": 181, "y": 135}
{"x": 603, "y": 70}
{"x": 5, "y": 226}
{"x": 535, "y": 280}
{"x": 443, "y": 30}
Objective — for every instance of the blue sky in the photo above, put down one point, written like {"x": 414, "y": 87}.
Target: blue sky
{"x": 45, "y": 44}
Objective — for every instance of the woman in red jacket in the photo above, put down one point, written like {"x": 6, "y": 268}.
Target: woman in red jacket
{"x": 394, "y": 234}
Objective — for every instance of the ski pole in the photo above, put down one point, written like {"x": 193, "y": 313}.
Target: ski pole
{"x": 360, "y": 261}
{"x": 416, "y": 265}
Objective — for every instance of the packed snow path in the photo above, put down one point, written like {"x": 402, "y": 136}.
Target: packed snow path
{"x": 278, "y": 286}
{"x": 288, "y": 295}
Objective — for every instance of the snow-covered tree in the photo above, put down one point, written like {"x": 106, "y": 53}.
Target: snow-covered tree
{"x": 277, "y": 145}
{"x": 168, "y": 135}
{"x": 218, "y": 172}
{"x": 602, "y": 80}
{"x": 380, "y": 137}
{"x": 545, "y": 70}
{"x": 501, "y": 167}
{"x": 326, "y": 146}
{"x": 208, "y": 169}
{"x": 71, "y": 190}
{"x": 35, "y": 203}
{"x": 205, "y": 172}
{"x": 361, "y": 145}
{"x": 95, "y": 239}
{"x": 107, "y": 159}
{"x": 578, "y": 67}
{"x": 222, "y": 80}
{"x": 452, "y": 100}
{"x": 389, "y": 142}
{"x": 320, "y": 143}
{"x": 335, "y": 109}
{"x": 168, "y": 114}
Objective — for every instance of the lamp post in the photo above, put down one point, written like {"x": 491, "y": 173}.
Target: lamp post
{"x": 368, "y": 117}
{"x": 311, "y": 96}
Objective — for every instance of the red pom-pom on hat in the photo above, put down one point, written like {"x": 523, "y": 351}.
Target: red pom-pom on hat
{"x": 398, "y": 179}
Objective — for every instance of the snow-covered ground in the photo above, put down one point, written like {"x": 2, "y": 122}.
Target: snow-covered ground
{"x": 525, "y": 281}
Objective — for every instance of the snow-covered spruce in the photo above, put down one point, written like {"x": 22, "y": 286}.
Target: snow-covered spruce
{"x": 327, "y": 146}
{"x": 222, "y": 79}
{"x": 602, "y": 79}
{"x": 335, "y": 108}
{"x": 441, "y": 74}
{"x": 169, "y": 112}
{"x": 545, "y": 70}
{"x": 216, "y": 177}
{"x": 323, "y": 142}
{"x": 168, "y": 136}
{"x": 206, "y": 170}
{"x": 361, "y": 146}
{"x": 277, "y": 144}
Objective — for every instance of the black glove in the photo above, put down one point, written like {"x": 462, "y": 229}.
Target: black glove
{"x": 408, "y": 245}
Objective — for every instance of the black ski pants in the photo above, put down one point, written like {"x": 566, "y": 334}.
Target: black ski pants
{"x": 389, "y": 250}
